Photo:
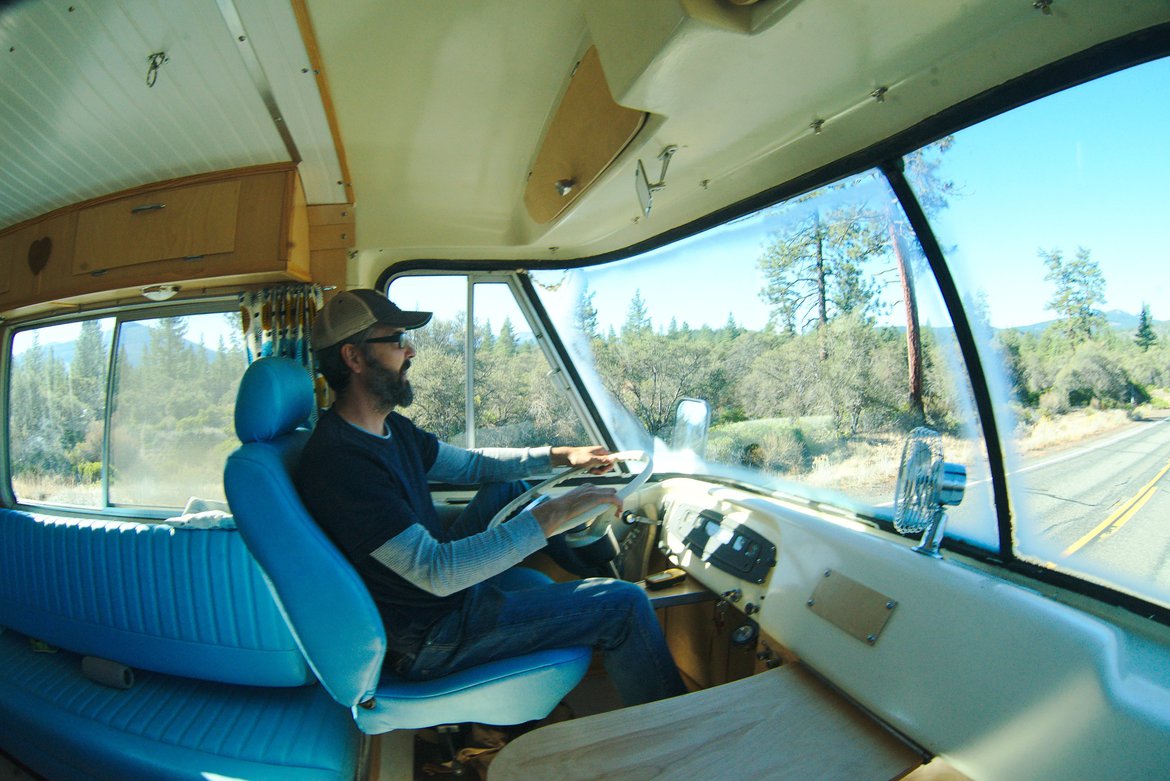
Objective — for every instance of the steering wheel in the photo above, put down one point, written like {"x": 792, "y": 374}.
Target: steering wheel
{"x": 584, "y": 529}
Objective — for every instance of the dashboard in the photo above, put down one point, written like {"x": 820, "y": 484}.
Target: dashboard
{"x": 726, "y": 547}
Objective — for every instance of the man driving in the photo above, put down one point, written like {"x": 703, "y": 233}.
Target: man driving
{"x": 443, "y": 594}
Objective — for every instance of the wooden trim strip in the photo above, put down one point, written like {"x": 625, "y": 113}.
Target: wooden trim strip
{"x": 305, "y": 23}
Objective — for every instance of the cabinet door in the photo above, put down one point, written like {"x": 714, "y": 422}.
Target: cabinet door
{"x": 37, "y": 258}
{"x": 185, "y": 222}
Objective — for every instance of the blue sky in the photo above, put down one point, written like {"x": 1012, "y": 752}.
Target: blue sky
{"x": 1086, "y": 168}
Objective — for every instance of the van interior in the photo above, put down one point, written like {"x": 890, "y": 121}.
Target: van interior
{"x": 869, "y": 297}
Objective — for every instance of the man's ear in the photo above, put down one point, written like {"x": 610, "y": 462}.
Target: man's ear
{"x": 352, "y": 356}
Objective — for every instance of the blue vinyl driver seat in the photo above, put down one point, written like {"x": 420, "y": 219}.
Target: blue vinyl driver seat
{"x": 326, "y": 604}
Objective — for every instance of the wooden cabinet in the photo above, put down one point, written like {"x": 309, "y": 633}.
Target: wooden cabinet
{"x": 184, "y": 222}
{"x": 218, "y": 230}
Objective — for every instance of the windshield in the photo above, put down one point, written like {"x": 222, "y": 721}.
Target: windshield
{"x": 791, "y": 323}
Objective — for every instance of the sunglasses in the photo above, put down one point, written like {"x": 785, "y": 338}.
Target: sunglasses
{"x": 400, "y": 339}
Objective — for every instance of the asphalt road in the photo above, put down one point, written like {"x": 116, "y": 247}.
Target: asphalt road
{"x": 1102, "y": 508}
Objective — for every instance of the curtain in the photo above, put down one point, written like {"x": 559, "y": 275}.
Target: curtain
{"x": 278, "y": 321}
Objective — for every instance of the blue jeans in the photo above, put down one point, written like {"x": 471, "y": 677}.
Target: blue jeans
{"x": 519, "y": 611}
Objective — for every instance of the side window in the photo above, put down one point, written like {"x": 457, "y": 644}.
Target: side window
{"x": 1054, "y": 241}
{"x": 516, "y": 402}
{"x": 438, "y": 373}
{"x": 154, "y": 437}
{"x": 511, "y": 396}
{"x": 56, "y": 412}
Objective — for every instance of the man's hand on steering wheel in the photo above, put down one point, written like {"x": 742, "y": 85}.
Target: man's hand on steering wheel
{"x": 595, "y": 458}
{"x": 552, "y": 515}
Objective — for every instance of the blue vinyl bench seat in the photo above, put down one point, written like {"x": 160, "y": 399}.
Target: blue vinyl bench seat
{"x": 220, "y": 687}
{"x": 64, "y": 726}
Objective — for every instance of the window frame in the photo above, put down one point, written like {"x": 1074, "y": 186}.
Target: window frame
{"x": 226, "y": 304}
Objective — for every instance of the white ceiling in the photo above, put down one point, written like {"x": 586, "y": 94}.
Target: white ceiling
{"x": 79, "y": 120}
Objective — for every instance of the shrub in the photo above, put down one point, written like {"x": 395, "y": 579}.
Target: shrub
{"x": 1093, "y": 375}
{"x": 1054, "y": 402}
{"x": 770, "y": 445}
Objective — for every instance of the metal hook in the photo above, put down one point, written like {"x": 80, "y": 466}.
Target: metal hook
{"x": 155, "y": 61}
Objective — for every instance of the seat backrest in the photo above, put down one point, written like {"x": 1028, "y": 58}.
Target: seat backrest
{"x": 324, "y": 601}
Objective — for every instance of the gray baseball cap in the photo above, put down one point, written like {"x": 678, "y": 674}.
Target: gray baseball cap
{"x": 353, "y": 311}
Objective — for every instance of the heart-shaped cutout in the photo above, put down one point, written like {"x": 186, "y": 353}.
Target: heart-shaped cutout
{"x": 38, "y": 254}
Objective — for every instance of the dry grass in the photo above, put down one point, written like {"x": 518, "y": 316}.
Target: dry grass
{"x": 1068, "y": 429}
{"x": 55, "y": 490}
{"x": 871, "y": 467}
{"x": 44, "y": 489}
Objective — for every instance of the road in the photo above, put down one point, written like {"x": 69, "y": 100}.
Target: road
{"x": 1102, "y": 508}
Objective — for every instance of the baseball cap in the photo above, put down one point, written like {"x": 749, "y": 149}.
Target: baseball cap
{"x": 353, "y": 311}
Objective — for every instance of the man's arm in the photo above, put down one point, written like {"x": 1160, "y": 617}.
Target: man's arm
{"x": 442, "y": 568}
{"x": 489, "y": 465}
{"x": 502, "y": 464}
{"x": 594, "y": 457}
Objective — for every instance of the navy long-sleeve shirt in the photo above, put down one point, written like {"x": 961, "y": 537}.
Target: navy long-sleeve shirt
{"x": 370, "y": 494}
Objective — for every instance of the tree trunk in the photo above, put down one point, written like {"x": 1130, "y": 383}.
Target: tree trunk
{"x": 913, "y": 336}
{"x": 822, "y": 289}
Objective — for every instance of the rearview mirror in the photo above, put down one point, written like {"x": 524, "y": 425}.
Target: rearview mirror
{"x": 692, "y": 417}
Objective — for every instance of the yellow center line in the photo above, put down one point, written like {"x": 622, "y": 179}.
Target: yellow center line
{"x": 1121, "y": 515}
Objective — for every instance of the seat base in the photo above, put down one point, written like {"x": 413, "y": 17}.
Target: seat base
{"x": 511, "y": 691}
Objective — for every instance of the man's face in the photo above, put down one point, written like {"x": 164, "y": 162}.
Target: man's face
{"x": 387, "y": 364}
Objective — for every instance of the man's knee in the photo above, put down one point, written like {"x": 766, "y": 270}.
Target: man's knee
{"x": 622, "y": 592}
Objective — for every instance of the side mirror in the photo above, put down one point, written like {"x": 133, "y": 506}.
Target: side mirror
{"x": 692, "y": 418}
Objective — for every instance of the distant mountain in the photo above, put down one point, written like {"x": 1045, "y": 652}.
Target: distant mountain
{"x": 1117, "y": 320}
{"x": 135, "y": 338}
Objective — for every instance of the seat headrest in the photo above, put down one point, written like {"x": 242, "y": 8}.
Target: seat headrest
{"x": 275, "y": 397}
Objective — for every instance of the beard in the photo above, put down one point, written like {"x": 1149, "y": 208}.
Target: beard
{"x": 390, "y": 387}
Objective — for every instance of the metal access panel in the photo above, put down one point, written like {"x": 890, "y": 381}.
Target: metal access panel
{"x": 851, "y": 606}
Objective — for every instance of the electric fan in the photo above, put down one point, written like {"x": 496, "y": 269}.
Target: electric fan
{"x": 926, "y": 484}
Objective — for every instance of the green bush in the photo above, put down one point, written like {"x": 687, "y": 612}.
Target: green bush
{"x": 89, "y": 471}
{"x": 771, "y": 445}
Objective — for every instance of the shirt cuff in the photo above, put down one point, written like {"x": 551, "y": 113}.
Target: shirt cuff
{"x": 529, "y": 533}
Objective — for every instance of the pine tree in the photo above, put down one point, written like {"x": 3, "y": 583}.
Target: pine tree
{"x": 637, "y": 318}
{"x": 585, "y": 314}
{"x": 87, "y": 371}
{"x": 814, "y": 271}
{"x": 1080, "y": 289}
{"x": 506, "y": 342}
{"x": 1145, "y": 336}
{"x": 731, "y": 328}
